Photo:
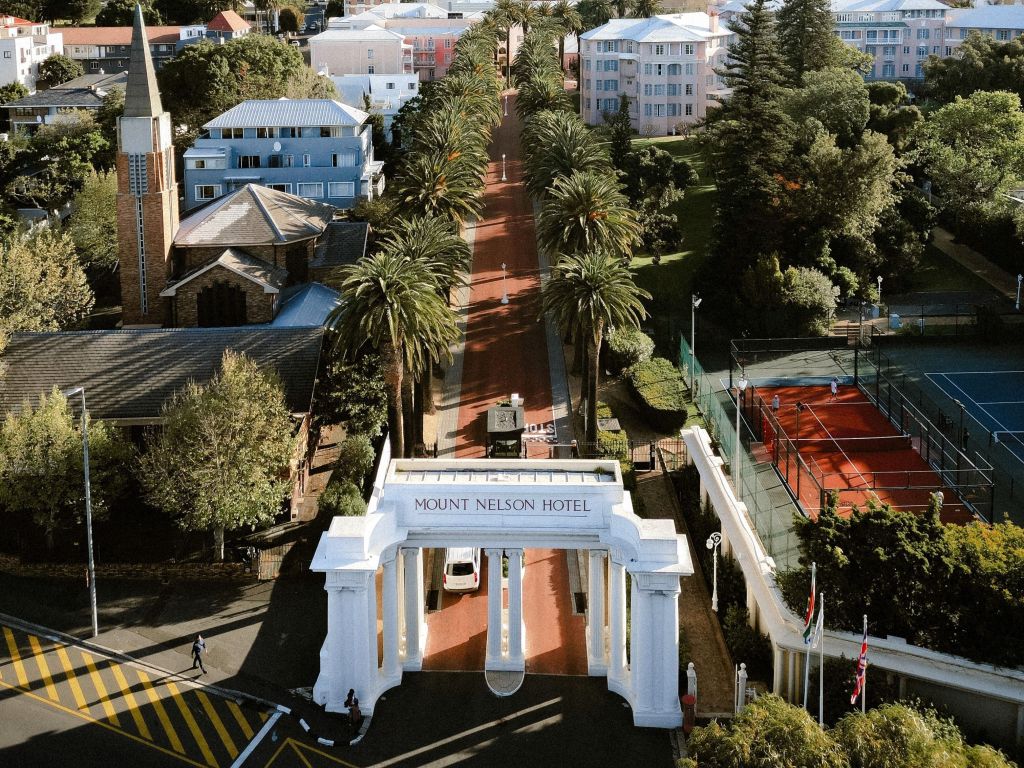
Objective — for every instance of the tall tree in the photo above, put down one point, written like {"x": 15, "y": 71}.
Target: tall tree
{"x": 42, "y": 284}
{"x": 121, "y": 13}
{"x": 981, "y": 64}
{"x": 587, "y": 212}
{"x": 75, "y": 11}
{"x": 57, "y": 69}
{"x": 41, "y": 448}
{"x": 93, "y": 218}
{"x": 592, "y": 292}
{"x": 571, "y": 22}
{"x": 58, "y": 160}
{"x": 806, "y": 30}
{"x": 554, "y": 145}
{"x": 645, "y": 9}
{"x": 220, "y": 459}
{"x": 391, "y": 305}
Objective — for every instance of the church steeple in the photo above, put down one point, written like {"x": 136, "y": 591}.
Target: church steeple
{"x": 147, "y": 195}
{"x": 141, "y": 96}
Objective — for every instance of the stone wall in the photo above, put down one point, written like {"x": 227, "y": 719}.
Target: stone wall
{"x": 259, "y": 306}
{"x": 154, "y": 571}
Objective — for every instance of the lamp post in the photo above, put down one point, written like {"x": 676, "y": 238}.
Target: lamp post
{"x": 506, "y": 105}
{"x": 503, "y": 176}
{"x": 713, "y": 543}
{"x": 879, "y": 279}
{"x": 504, "y": 289}
{"x": 88, "y": 509}
{"x": 695, "y": 301}
{"x": 1020, "y": 279}
{"x": 741, "y": 386}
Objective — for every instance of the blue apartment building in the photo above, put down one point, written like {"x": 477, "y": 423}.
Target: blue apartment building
{"x": 319, "y": 149}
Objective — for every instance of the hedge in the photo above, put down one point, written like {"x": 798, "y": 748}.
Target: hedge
{"x": 616, "y": 445}
{"x": 628, "y": 347}
{"x": 661, "y": 393}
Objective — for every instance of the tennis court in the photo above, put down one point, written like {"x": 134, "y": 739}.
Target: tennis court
{"x": 845, "y": 447}
{"x": 994, "y": 398}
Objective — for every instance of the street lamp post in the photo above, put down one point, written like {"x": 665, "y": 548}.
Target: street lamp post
{"x": 504, "y": 289}
{"x": 1020, "y": 279}
{"x": 503, "y": 176}
{"x": 694, "y": 303}
{"x": 879, "y": 279}
{"x": 713, "y": 543}
{"x": 741, "y": 386}
{"x": 88, "y": 509}
{"x": 506, "y": 105}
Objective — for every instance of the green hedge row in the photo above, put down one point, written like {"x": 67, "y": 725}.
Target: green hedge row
{"x": 616, "y": 445}
{"x": 661, "y": 393}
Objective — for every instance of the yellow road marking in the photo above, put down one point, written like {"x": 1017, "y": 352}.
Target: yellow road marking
{"x": 97, "y": 683}
{"x": 19, "y": 668}
{"x": 44, "y": 668}
{"x": 161, "y": 713}
{"x": 277, "y": 754}
{"x": 129, "y": 697}
{"x": 69, "y": 670}
{"x": 190, "y": 721}
{"x": 297, "y": 745}
{"x": 235, "y": 710}
{"x": 100, "y": 723}
{"x": 229, "y": 744}
{"x": 302, "y": 757}
{"x": 264, "y": 716}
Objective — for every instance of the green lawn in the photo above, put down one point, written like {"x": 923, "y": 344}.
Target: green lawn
{"x": 938, "y": 272}
{"x": 670, "y": 281}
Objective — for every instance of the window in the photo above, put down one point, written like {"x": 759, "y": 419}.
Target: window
{"x": 888, "y": 70}
{"x": 219, "y": 305}
{"x": 280, "y": 161}
{"x": 207, "y": 191}
{"x": 689, "y": 89}
{"x": 906, "y": 50}
{"x": 688, "y": 49}
{"x": 674, "y": 69}
{"x": 248, "y": 161}
{"x": 659, "y": 110}
{"x": 612, "y": 65}
{"x": 871, "y": 34}
{"x": 889, "y": 51}
{"x": 611, "y": 85}
{"x": 673, "y": 110}
{"x": 586, "y": 65}
{"x": 369, "y": 53}
{"x": 599, "y": 86}
{"x": 389, "y": 87}
{"x": 586, "y": 103}
{"x": 586, "y": 84}
{"x": 659, "y": 50}
{"x": 447, "y": 43}
{"x": 648, "y": 89}
{"x": 689, "y": 109}
{"x": 197, "y": 164}
{"x": 647, "y": 110}
{"x": 341, "y": 189}
{"x": 949, "y": 51}
{"x": 922, "y": 34}
{"x": 308, "y": 189}
{"x": 7, "y": 54}
{"x": 369, "y": 69}
{"x": 648, "y": 69}
{"x": 264, "y": 133}
{"x": 325, "y": 132}
{"x": 412, "y": 86}
{"x": 922, "y": 50}
{"x": 659, "y": 69}
{"x": 659, "y": 90}
{"x": 906, "y": 67}
{"x": 280, "y": 187}
{"x": 935, "y": 50}
{"x": 1002, "y": 34}
{"x": 673, "y": 89}
{"x": 690, "y": 69}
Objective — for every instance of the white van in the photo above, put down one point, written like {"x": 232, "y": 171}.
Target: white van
{"x": 462, "y": 569}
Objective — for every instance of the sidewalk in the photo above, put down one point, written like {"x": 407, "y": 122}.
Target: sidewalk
{"x": 967, "y": 257}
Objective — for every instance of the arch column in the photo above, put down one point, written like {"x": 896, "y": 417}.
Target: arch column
{"x": 392, "y": 620}
{"x": 349, "y": 657}
{"x": 618, "y": 674}
{"x": 415, "y": 624}
{"x": 597, "y": 654}
{"x": 654, "y": 650}
{"x": 516, "y": 626}
{"x": 494, "y": 628}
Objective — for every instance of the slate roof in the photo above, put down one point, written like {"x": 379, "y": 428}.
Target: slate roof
{"x": 343, "y": 242}
{"x": 272, "y": 279}
{"x": 227, "y": 21}
{"x": 129, "y": 374}
{"x": 987, "y": 17}
{"x": 666, "y": 28}
{"x": 85, "y": 92}
{"x": 253, "y": 215}
{"x": 292, "y": 112}
{"x": 306, "y": 306}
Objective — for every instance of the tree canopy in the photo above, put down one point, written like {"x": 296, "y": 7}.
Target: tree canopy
{"x": 58, "y": 68}
{"x": 121, "y": 13}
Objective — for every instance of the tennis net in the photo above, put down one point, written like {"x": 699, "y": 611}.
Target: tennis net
{"x": 854, "y": 444}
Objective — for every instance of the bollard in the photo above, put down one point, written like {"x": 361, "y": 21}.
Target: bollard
{"x": 691, "y": 680}
{"x": 689, "y": 713}
{"x": 741, "y": 687}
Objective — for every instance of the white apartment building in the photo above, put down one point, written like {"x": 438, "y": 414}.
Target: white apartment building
{"x": 665, "y": 64}
{"x": 1000, "y": 22}
{"x": 367, "y": 51}
{"x": 387, "y": 93}
{"x": 24, "y": 45}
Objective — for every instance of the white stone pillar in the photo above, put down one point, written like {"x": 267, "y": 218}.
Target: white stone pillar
{"x": 641, "y": 650}
{"x": 415, "y": 626}
{"x": 494, "y": 630}
{"x": 516, "y": 627}
{"x": 751, "y": 609}
{"x": 654, "y": 650}
{"x": 667, "y": 606}
{"x": 348, "y": 662}
{"x": 328, "y": 682}
{"x": 597, "y": 656}
{"x": 392, "y": 619}
{"x": 617, "y": 622}
{"x": 780, "y": 657}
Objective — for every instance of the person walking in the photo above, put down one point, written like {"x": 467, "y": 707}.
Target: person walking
{"x": 198, "y": 649}
{"x": 834, "y": 385}
{"x": 776, "y": 403}
{"x": 355, "y": 716}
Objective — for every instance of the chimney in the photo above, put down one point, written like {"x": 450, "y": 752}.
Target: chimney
{"x": 713, "y": 20}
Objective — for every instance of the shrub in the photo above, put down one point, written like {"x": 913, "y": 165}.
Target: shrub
{"x": 355, "y": 459}
{"x": 341, "y": 498}
{"x": 746, "y": 644}
{"x": 627, "y": 347}
{"x": 615, "y": 445}
{"x": 662, "y": 394}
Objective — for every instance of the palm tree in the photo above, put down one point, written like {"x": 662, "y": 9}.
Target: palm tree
{"x": 594, "y": 13}
{"x": 592, "y": 292}
{"x": 571, "y": 22}
{"x": 506, "y": 14}
{"x": 434, "y": 243}
{"x": 554, "y": 145}
{"x": 644, "y": 9}
{"x": 544, "y": 93}
{"x": 440, "y": 184}
{"x": 586, "y": 212}
{"x": 391, "y": 304}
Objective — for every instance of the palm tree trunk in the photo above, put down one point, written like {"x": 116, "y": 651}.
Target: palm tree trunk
{"x": 393, "y": 370}
{"x": 561, "y": 53}
{"x": 218, "y": 543}
{"x": 418, "y": 410}
{"x": 408, "y": 413}
{"x": 508, "y": 57}
{"x": 427, "y": 382}
{"x": 595, "y": 364}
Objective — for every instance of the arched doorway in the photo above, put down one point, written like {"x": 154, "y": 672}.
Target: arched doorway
{"x": 503, "y": 507}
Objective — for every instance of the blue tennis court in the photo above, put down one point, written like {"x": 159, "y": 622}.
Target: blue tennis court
{"x": 994, "y": 398}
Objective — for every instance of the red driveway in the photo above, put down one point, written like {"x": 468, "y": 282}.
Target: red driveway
{"x": 506, "y": 352}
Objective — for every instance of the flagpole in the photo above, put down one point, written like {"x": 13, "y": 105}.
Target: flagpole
{"x": 807, "y": 662}
{"x": 864, "y": 685}
{"x": 821, "y": 666}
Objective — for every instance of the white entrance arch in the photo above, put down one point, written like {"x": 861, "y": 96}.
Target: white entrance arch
{"x": 502, "y": 506}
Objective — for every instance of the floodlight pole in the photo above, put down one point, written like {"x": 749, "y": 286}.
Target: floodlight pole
{"x": 879, "y": 279}
{"x": 741, "y": 386}
{"x": 88, "y": 510}
{"x": 1020, "y": 279}
{"x": 506, "y": 105}
{"x": 503, "y": 176}
{"x": 694, "y": 303}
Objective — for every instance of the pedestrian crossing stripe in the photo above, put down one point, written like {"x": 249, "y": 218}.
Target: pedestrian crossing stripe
{"x": 201, "y": 728}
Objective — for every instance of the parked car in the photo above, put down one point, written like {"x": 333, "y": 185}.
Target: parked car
{"x": 461, "y": 569}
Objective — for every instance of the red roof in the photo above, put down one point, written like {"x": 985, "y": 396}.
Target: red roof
{"x": 228, "y": 21}
{"x": 14, "y": 21}
{"x": 115, "y": 35}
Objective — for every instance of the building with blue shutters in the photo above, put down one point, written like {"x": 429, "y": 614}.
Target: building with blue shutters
{"x": 319, "y": 149}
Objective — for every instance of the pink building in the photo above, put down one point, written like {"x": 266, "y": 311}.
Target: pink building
{"x": 899, "y": 35}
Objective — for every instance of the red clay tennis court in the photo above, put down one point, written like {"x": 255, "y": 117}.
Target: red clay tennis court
{"x": 847, "y": 448}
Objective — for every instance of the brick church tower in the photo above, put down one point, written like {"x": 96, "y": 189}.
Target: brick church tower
{"x": 147, "y": 195}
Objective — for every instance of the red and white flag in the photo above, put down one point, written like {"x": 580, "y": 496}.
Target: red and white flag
{"x": 862, "y": 665}
{"x": 809, "y": 616}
